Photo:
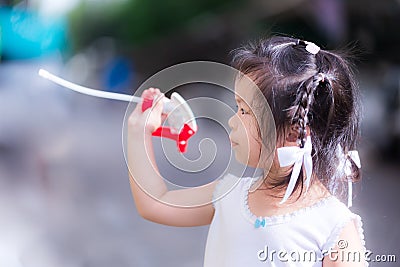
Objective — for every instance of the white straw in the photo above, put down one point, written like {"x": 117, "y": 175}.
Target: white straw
{"x": 87, "y": 91}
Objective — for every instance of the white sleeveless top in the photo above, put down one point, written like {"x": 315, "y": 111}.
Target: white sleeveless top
{"x": 299, "y": 238}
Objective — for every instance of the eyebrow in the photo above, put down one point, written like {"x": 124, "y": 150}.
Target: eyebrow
{"x": 238, "y": 99}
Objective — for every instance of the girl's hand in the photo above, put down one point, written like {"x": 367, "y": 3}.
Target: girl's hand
{"x": 148, "y": 121}
{"x": 149, "y": 189}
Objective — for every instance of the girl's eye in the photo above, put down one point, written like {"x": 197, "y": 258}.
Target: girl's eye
{"x": 241, "y": 110}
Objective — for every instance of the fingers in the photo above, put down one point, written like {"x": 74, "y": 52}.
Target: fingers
{"x": 156, "y": 96}
{"x": 152, "y": 117}
{"x": 157, "y": 105}
{"x": 152, "y": 94}
{"x": 158, "y": 102}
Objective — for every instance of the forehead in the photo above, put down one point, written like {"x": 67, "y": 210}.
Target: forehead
{"x": 245, "y": 89}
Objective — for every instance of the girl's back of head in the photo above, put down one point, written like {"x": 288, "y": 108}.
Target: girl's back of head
{"x": 307, "y": 87}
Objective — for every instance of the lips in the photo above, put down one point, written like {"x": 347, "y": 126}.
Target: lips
{"x": 233, "y": 143}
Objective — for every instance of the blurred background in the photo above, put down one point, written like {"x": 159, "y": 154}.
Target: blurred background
{"x": 65, "y": 199}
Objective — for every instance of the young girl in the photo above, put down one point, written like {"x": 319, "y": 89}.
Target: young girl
{"x": 289, "y": 216}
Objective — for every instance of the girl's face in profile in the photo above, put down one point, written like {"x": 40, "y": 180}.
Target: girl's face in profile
{"x": 244, "y": 136}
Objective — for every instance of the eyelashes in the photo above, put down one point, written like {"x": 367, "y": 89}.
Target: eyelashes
{"x": 241, "y": 110}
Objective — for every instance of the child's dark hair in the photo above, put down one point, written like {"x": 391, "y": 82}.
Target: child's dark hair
{"x": 306, "y": 88}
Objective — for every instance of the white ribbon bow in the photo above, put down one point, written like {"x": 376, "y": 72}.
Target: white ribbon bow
{"x": 345, "y": 165}
{"x": 290, "y": 155}
{"x": 353, "y": 154}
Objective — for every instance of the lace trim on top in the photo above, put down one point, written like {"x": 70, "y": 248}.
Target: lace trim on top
{"x": 275, "y": 219}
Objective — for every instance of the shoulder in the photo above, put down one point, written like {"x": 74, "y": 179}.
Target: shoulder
{"x": 346, "y": 236}
{"x": 346, "y": 246}
{"x": 339, "y": 231}
{"x": 229, "y": 186}
{"x": 337, "y": 210}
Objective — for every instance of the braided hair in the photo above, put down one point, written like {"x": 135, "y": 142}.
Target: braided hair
{"x": 307, "y": 88}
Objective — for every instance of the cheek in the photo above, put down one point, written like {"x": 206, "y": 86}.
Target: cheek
{"x": 254, "y": 152}
{"x": 253, "y": 137}
{"x": 254, "y": 146}
{"x": 248, "y": 152}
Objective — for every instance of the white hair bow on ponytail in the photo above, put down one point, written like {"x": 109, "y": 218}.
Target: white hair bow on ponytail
{"x": 298, "y": 156}
{"x": 302, "y": 156}
{"x": 345, "y": 166}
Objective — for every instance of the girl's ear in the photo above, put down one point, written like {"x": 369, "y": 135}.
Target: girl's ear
{"x": 291, "y": 136}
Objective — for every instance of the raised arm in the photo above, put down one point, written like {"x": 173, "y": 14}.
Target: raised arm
{"x": 185, "y": 207}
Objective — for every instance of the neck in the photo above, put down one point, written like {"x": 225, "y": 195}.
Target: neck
{"x": 274, "y": 193}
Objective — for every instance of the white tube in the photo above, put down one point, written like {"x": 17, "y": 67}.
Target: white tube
{"x": 88, "y": 91}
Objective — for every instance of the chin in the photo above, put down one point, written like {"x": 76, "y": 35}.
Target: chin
{"x": 239, "y": 158}
{"x": 247, "y": 161}
{"x": 253, "y": 165}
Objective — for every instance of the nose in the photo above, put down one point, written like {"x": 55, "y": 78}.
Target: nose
{"x": 232, "y": 122}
